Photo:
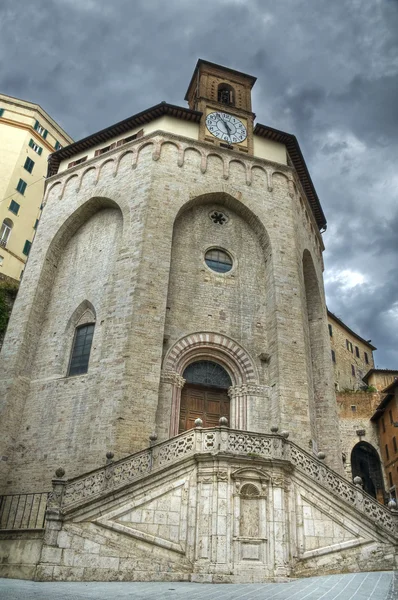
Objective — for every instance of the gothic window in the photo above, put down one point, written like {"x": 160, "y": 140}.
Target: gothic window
{"x": 218, "y": 260}
{"x": 5, "y": 231}
{"x": 226, "y": 94}
{"x": 206, "y": 372}
{"x": 81, "y": 349}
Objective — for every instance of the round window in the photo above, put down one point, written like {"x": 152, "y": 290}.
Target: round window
{"x": 218, "y": 260}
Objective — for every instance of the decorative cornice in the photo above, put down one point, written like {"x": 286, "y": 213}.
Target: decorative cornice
{"x": 146, "y": 116}
{"x": 187, "y": 114}
{"x": 248, "y": 390}
{"x": 27, "y": 127}
{"x": 156, "y": 140}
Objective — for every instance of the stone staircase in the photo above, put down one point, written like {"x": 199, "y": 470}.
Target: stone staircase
{"x": 214, "y": 505}
{"x": 73, "y": 494}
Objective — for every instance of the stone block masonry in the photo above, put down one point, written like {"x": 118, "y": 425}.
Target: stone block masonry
{"x": 126, "y": 235}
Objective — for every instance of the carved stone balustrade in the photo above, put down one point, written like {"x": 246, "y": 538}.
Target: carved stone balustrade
{"x": 226, "y": 442}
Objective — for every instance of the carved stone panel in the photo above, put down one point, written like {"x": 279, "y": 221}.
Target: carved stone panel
{"x": 250, "y": 516}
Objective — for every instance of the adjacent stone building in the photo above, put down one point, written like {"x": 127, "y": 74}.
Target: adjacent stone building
{"x": 360, "y": 441}
{"x": 352, "y": 356}
{"x": 174, "y": 299}
{"x": 380, "y": 378}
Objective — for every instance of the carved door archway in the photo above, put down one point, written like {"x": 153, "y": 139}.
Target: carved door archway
{"x": 225, "y": 352}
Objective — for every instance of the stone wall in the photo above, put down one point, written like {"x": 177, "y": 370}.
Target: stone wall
{"x": 8, "y": 292}
{"x": 73, "y": 421}
{"x": 355, "y": 410}
{"x": 20, "y": 553}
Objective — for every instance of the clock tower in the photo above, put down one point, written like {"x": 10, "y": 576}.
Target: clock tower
{"x": 224, "y": 97}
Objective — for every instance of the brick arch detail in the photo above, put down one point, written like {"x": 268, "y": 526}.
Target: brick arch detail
{"x": 226, "y": 352}
{"x": 213, "y": 345}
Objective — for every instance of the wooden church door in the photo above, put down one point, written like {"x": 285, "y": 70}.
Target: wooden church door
{"x": 204, "y": 395}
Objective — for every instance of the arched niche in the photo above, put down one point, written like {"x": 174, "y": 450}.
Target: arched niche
{"x": 226, "y": 94}
{"x": 227, "y": 200}
{"x": 366, "y": 464}
{"x": 251, "y": 514}
{"x": 40, "y": 315}
{"x": 314, "y": 312}
{"x": 83, "y": 314}
{"x": 245, "y": 317}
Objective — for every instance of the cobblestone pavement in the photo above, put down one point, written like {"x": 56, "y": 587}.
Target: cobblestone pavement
{"x": 355, "y": 586}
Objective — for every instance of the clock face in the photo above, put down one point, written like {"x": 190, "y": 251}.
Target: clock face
{"x": 226, "y": 127}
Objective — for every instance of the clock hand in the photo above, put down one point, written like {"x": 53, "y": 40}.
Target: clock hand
{"x": 227, "y": 127}
{"x": 229, "y": 132}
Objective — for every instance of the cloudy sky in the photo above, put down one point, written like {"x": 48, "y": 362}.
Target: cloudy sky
{"x": 327, "y": 71}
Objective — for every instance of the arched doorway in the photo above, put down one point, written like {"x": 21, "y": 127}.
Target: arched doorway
{"x": 225, "y": 352}
{"x": 365, "y": 463}
{"x": 204, "y": 395}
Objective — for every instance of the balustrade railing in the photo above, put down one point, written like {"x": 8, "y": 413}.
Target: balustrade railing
{"x": 115, "y": 475}
{"x": 23, "y": 511}
{"x": 344, "y": 489}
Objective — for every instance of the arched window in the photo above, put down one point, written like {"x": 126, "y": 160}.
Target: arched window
{"x": 206, "y": 372}
{"x": 81, "y": 349}
{"x": 5, "y": 231}
{"x": 226, "y": 94}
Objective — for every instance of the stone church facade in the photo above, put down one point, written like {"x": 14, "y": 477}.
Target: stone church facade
{"x": 172, "y": 315}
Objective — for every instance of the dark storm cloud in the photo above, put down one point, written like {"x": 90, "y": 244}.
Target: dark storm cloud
{"x": 327, "y": 72}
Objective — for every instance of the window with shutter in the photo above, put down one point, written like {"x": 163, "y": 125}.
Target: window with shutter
{"x": 26, "y": 248}
{"x": 40, "y": 129}
{"x": 14, "y": 207}
{"x": 21, "y": 187}
{"x": 29, "y": 164}
{"x": 35, "y": 147}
